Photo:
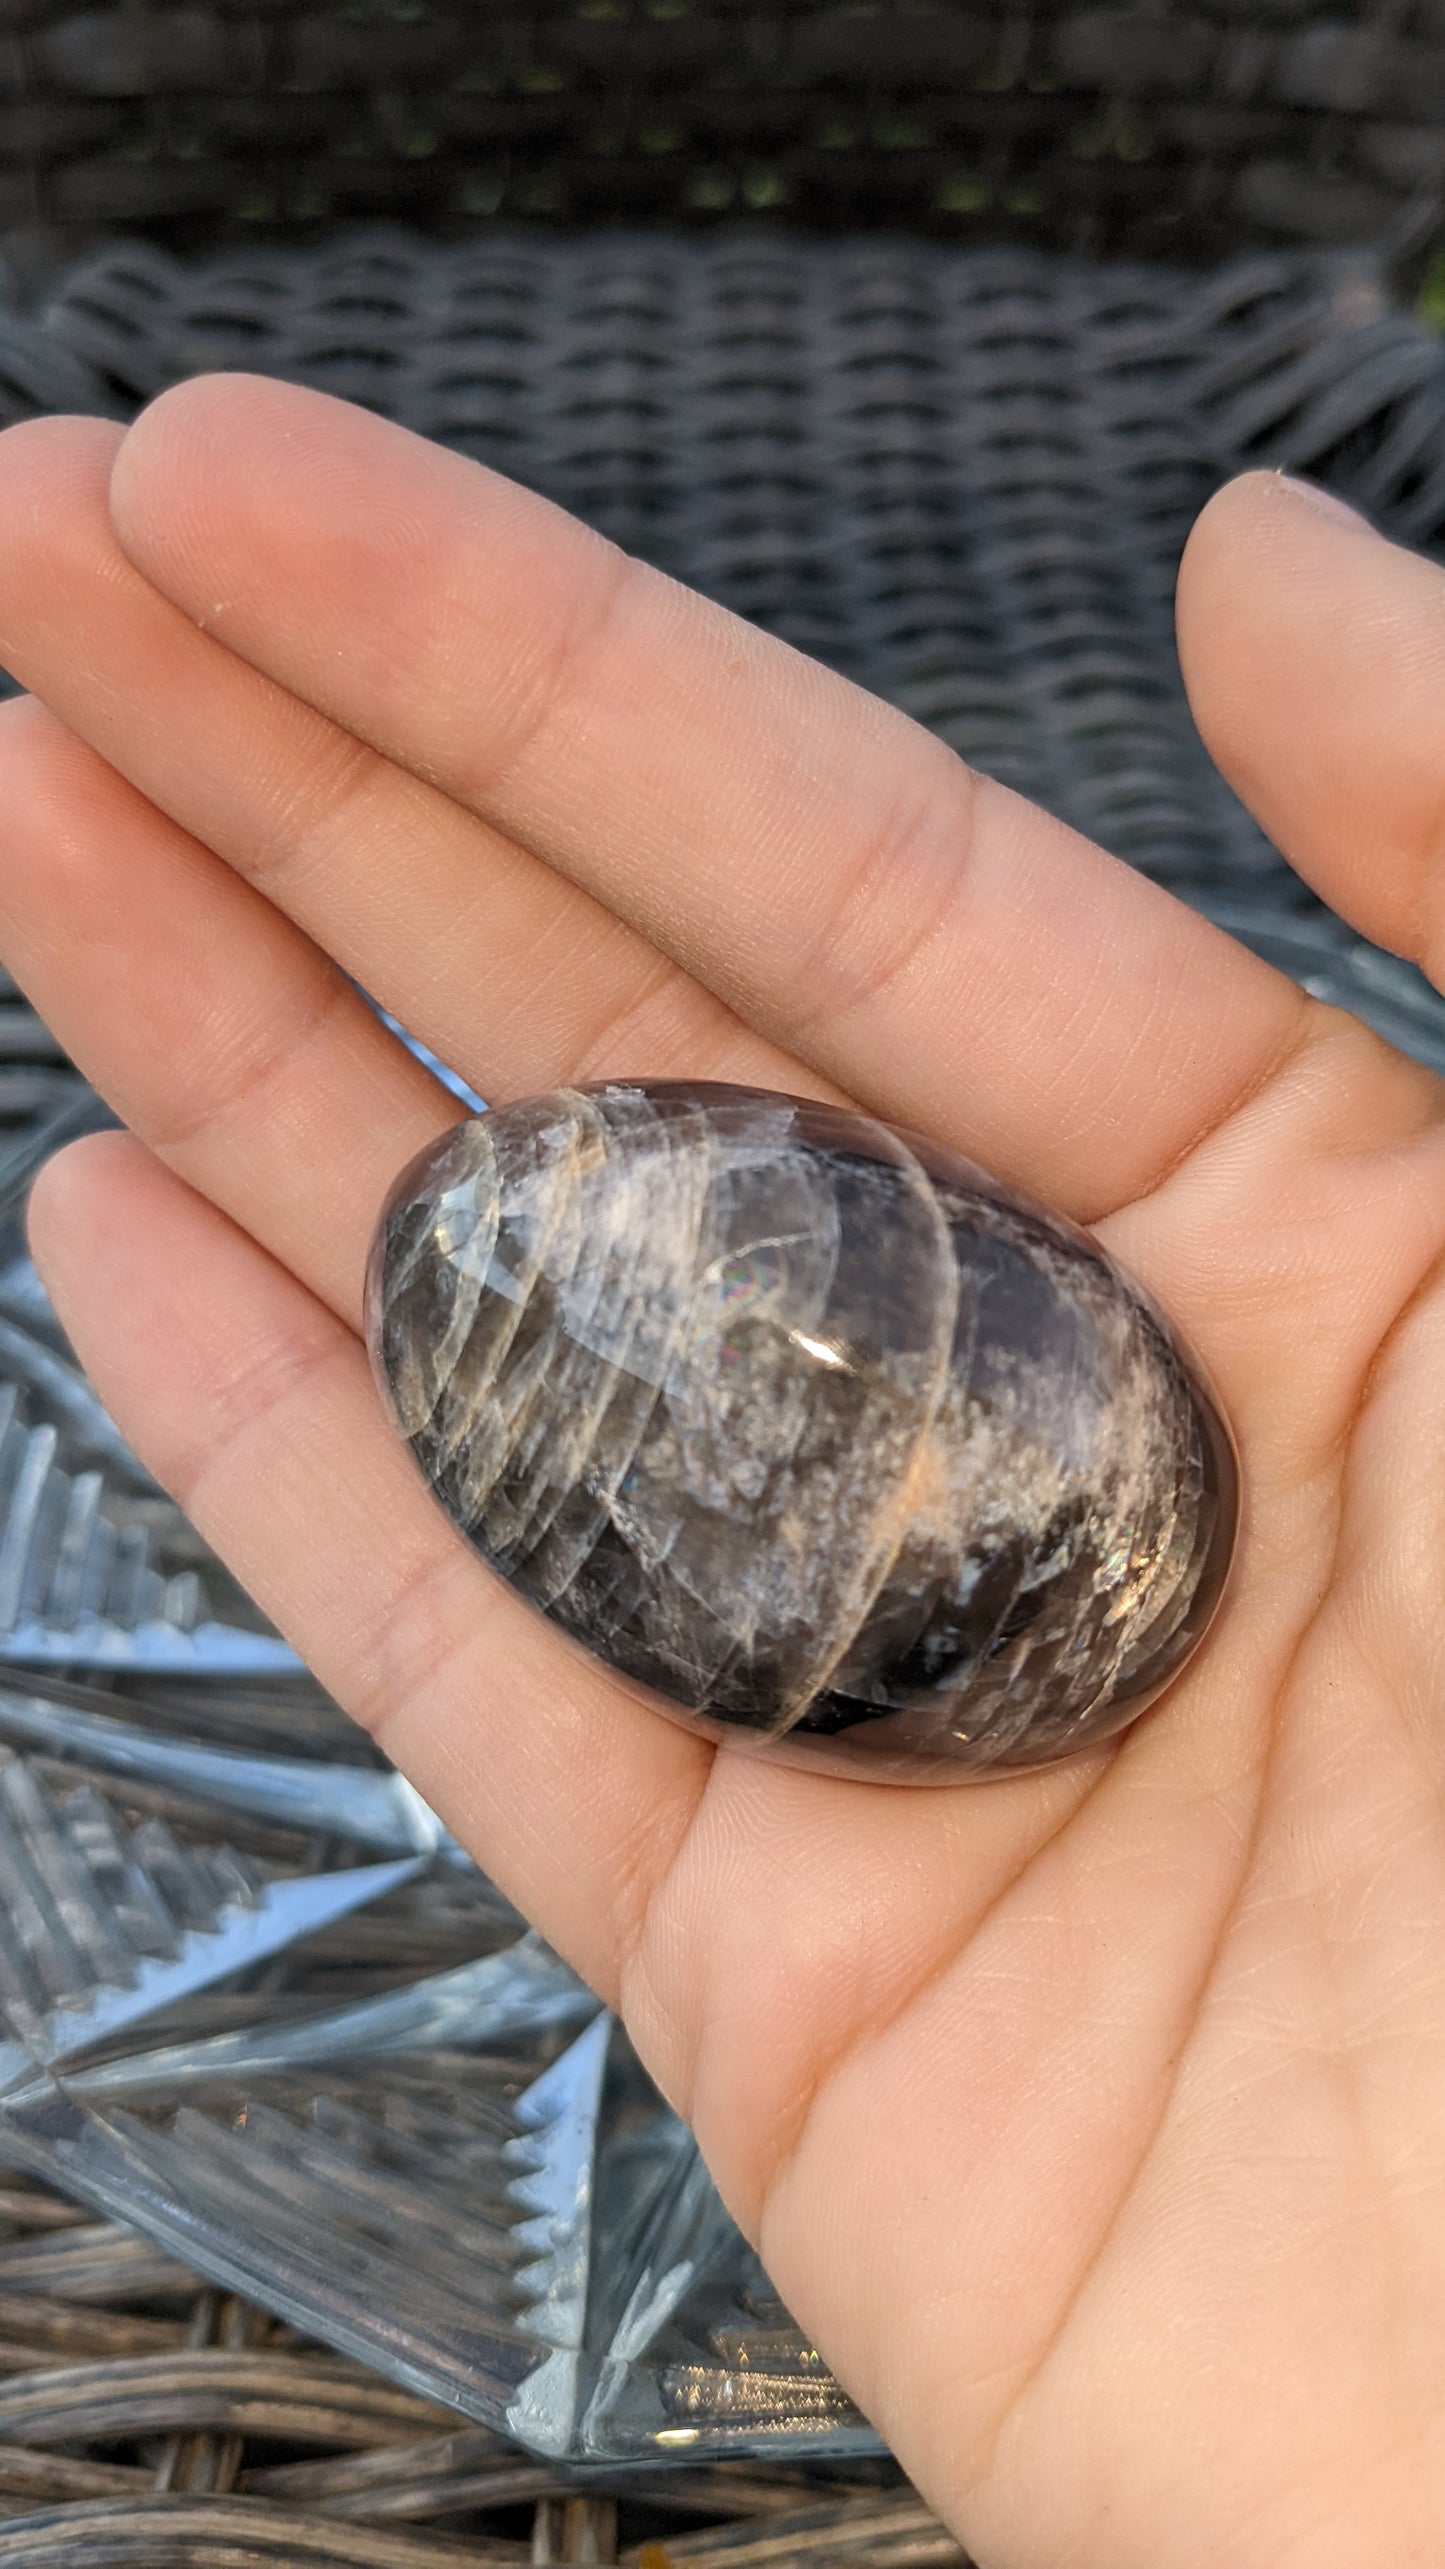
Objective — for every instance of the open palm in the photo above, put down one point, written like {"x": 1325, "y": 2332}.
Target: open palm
{"x": 1094, "y": 2120}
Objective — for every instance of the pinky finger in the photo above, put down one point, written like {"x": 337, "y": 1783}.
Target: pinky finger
{"x": 254, "y": 1405}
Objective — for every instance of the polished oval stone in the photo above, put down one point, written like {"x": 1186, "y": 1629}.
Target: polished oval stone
{"x": 804, "y": 1424}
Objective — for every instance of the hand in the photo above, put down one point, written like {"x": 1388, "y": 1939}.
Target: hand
{"x": 1095, "y": 2120}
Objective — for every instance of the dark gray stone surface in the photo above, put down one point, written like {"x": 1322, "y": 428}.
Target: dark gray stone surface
{"x": 806, "y": 1426}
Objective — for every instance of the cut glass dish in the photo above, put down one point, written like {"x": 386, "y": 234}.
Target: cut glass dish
{"x": 213, "y": 2028}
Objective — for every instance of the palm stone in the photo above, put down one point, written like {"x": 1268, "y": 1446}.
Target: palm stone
{"x": 812, "y": 1430}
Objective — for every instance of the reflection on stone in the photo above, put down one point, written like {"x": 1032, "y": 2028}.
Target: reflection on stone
{"x": 805, "y": 1425}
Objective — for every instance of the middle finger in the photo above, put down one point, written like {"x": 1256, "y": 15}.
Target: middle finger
{"x": 510, "y": 973}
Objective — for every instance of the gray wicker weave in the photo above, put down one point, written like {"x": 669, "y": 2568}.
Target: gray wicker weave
{"x": 963, "y": 476}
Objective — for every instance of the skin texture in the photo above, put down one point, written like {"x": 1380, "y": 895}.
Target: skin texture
{"x": 1092, "y": 2120}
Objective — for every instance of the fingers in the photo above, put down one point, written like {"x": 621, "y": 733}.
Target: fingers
{"x": 227, "y": 1040}
{"x": 1314, "y": 654}
{"x": 505, "y": 969}
{"x": 825, "y": 867}
{"x": 256, "y": 1408}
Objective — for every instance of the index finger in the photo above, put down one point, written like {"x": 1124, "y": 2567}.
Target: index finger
{"x": 945, "y": 952}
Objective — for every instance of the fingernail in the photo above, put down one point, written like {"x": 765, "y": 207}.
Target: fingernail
{"x": 1325, "y": 503}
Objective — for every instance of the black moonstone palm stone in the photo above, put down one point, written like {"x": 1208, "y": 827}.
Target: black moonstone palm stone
{"x": 805, "y": 1425}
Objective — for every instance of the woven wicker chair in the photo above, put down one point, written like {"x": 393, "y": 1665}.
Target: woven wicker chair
{"x": 917, "y": 334}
